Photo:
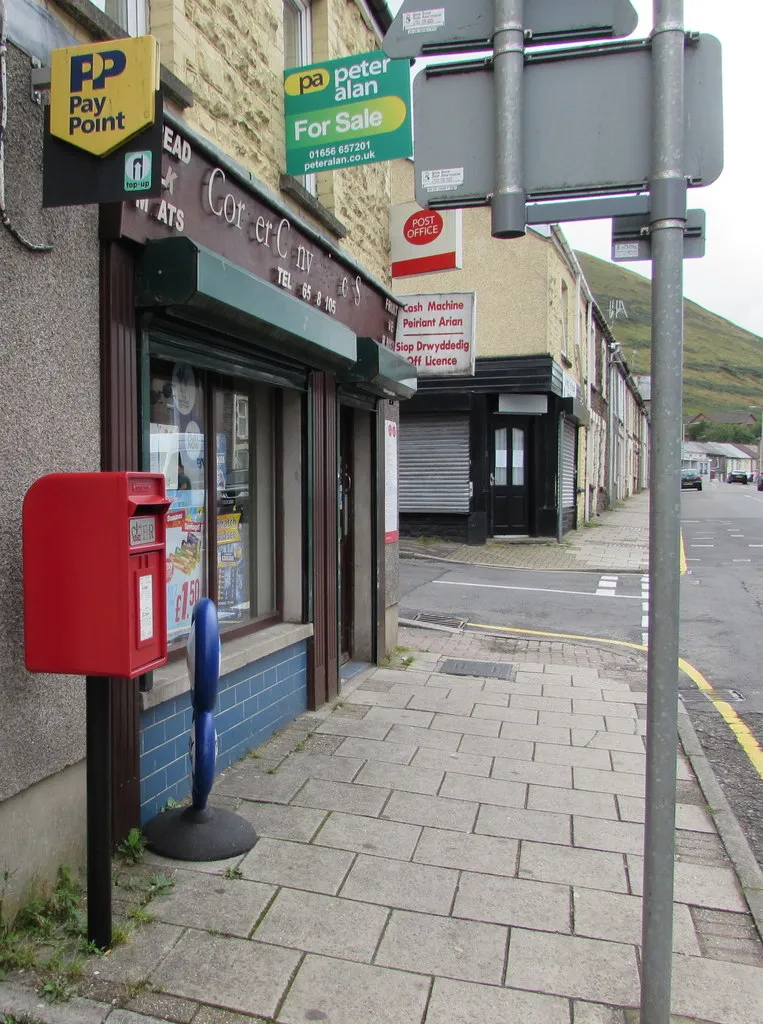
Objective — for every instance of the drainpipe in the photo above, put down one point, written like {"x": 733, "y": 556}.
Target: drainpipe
{"x": 559, "y": 481}
{"x": 581, "y": 286}
{"x": 589, "y": 386}
{"x": 5, "y": 219}
{"x": 611, "y": 374}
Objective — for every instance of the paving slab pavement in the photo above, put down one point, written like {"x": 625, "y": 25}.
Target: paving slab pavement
{"x": 614, "y": 541}
{"x": 416, "y": 869}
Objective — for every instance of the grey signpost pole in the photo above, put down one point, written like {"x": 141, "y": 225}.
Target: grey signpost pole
{"x": 508, "y": 202}
{"x": 685, "y": 145}
{"x": 667, "y": 219}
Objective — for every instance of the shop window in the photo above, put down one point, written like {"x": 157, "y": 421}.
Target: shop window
{"x": 221, "y": 526}
{"x": 298, "y": 50}
{"x": 517, "y": 457}
{"x": 132, "y": 15}
{"x": 501, "y": 457}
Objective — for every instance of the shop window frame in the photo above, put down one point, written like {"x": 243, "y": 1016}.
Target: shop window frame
{"x": 131, "y": 15}
{"x": 304, "y": 17}
{"x": 217, "y": 376}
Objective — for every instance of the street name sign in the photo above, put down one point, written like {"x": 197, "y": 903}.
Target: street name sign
{"x": 450, "y": 26}
{"x": 587, "y": 124}
{"x": 342, "y": 113}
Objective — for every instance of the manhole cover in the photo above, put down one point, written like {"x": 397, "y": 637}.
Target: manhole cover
{"x": 441, "y": 620}
{"x": 495, "y": 669}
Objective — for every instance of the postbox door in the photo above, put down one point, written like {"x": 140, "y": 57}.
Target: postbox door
{"x": 148, "y": 625}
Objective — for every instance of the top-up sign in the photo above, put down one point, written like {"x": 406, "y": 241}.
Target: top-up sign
{"x": 453, "y": 26}
{"x": 342, "y": 113}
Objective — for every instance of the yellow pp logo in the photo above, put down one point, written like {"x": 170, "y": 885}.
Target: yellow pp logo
{"x": 101, "y": 94}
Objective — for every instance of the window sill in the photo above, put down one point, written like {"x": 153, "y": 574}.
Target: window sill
{"x": 172, "y": 679}
{"x": 101, "y": 27}
{"x": 292, "y": 188}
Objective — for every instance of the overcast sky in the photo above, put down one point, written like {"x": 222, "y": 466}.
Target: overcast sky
{"x": 729, "y": 280}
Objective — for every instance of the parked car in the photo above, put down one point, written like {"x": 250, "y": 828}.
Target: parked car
{"x": 736, "y": 476}
{"x": 690, "y": 478}
{"x": 760, "y": 482}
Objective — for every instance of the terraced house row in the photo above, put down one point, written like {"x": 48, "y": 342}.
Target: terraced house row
{"x": 551, "y": 429}
{"x": 237, "y": 334}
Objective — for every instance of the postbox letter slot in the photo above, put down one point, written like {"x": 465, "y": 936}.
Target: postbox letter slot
{"x": 147, "y": 504}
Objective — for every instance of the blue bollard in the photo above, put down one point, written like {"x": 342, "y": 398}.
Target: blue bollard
{"x": 203, "y": 658}
{"x": 200, "y": 832}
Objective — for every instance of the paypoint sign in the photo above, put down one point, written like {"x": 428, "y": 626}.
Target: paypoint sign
{"x": 342, "y": 113}
{"x": 101, "y": 94}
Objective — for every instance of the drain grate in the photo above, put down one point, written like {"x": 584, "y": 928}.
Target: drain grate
{"x": 440, "y": 620}
{"x": 723, "y": 693}
{"x": 494, "y": 669}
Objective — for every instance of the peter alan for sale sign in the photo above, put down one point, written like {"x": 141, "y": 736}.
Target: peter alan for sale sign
{"x": 436, "y": 333}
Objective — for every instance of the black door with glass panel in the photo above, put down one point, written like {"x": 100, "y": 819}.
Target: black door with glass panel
{"x": 509, "y": 475}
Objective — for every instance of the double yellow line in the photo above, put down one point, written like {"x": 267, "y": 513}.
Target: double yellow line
{"x": 744, "y": 737}
{"x": 682, "y": 557}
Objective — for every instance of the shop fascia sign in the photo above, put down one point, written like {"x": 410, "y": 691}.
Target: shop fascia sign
{"x": 205, "y": 202}
{"x": 347, "y": 112}
{"x": 425, "y": 241}
{"x": 99, "y": 145}
{"x": 570, "y": 387}
{"x": 436, "y": 333}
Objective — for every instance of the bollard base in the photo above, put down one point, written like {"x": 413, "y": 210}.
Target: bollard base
{"x": 189, "y": 834}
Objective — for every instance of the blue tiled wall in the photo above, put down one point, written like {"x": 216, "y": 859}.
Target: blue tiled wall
{"x": 252, "y": 703}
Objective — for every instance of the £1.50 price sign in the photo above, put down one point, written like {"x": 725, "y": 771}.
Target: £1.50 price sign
{"x": 185, "y": 567}
{"x": 343, "y": 113}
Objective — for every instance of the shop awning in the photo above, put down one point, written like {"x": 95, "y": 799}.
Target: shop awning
{"x": 576, "y": 410}
{"x": 187, "y": 280}
{"x": 381, "y": 371}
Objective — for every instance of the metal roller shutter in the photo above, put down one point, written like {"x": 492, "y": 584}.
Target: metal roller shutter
{"x": 434, "y": 464}
{"x": 569, "y": 464}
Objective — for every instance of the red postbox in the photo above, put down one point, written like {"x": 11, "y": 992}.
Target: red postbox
{"x": 94, "y": 573}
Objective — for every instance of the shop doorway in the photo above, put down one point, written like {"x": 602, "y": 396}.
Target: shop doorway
{"x": 509, "y": 473}
{"x": 346, "y": 531}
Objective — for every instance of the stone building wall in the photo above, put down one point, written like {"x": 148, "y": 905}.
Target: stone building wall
{"x": 232, "y": 57}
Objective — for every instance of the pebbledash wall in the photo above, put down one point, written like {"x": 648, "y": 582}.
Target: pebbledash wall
{"x": 253, "y": 702}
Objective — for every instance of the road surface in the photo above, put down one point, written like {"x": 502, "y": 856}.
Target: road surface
{"x": 721, "y": 619}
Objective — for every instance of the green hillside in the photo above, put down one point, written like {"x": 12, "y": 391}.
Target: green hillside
{"x": 723, "y": 364}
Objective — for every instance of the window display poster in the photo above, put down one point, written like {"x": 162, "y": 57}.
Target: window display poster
{"x": 165, "y": 451}
{"x": 230, "y": 568}
{"x": 222, "y": 460}
{"x": 391, "y": 533}
{"x": 185, "y": 566}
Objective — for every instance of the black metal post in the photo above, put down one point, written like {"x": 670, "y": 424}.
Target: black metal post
{"x": 98, "y": 752}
